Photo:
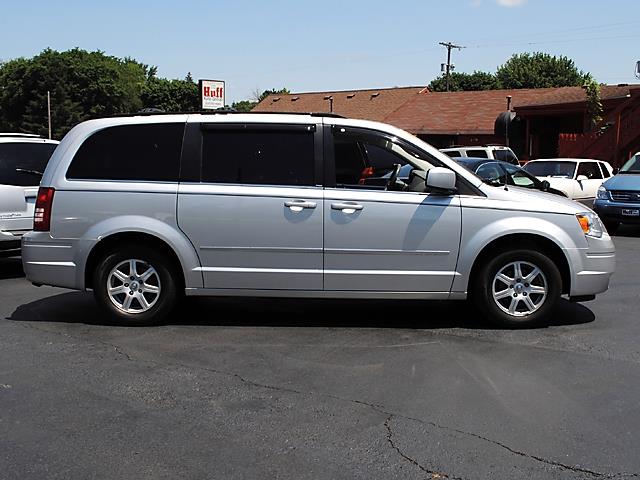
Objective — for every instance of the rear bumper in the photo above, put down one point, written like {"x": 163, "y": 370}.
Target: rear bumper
{"x": 47, "y": 261}
{"x": 9, "y": 244}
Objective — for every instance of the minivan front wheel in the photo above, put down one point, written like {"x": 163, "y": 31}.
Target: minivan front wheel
{"x": 135, "y": 286}
{"x": 517, "y": 288}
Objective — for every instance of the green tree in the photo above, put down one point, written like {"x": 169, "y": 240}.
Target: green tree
{"x": 243, "y": 105}
{"x": 82, "y": 85}
{"x": 594, "y": 102}
{"x": 465, "y": 81}
{"x": 261, "y": 96}
{"x": 171, "y": 95}
{"x": 539, "y": 70}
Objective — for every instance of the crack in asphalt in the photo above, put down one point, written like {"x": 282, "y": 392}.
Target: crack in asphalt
{"x": 434, "y": 474}
{"x": 377, "y": 407}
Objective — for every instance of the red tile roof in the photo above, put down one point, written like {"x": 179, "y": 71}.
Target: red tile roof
{"x": 459, "y": 112}
{"x": 565, "y": 95}
{"x": 373, "y": 104}
{"x": 420, "y": 111}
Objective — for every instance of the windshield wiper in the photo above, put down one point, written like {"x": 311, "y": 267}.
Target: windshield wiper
{"x": 29, "y": 171}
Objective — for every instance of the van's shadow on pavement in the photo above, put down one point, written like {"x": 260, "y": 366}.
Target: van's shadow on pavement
{"x": 79, "y": 307}
{"x": 10, "y": 267}
{"x": 632, "y": 231}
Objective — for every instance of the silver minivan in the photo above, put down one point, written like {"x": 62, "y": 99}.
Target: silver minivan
{"x": 143, "y": 209}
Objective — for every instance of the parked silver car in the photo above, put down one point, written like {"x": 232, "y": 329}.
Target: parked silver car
{"x": 23, "y": 158}
{"x": 142, "y": 209}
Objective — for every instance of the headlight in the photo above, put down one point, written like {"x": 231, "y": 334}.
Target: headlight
{"x": 603, "y": 193}
{"x": 590, "y": 224}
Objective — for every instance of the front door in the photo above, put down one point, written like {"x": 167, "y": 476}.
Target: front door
{"x": 588, "y": 180}
{"x": 255, "y": 216}
{"x": 380, "y": 239}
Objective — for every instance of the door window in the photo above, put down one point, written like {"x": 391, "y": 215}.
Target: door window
{"x": 589, "y": 170}
{"x": 367, "y": 160}
{"x": 605, "y": 170}
{"x": 255, "y": 157}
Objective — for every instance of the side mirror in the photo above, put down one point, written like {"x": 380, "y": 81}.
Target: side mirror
{"x": 615, "y": 170}
{"x": 441, "y": 180}
{"x": 545, "y": 185}
{"x": 582, "y": 178}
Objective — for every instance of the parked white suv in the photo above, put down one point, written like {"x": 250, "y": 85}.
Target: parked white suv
{"x": 497, "y": 152}
{"x": 578, "y": 178}
{"x": 23, "y": 158}
{"x": 142, "y": 209}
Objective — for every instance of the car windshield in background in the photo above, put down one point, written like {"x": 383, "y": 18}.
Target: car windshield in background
{"x": 504, "y": 155}
{"x": 551, "y": 169}
{"x": 632, "y": 166}
{"x": 21, "y": 164}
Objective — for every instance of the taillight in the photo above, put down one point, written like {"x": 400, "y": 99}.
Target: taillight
{"x": 42, "y": 215}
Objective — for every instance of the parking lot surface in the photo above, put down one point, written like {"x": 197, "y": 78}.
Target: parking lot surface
{"x": 268, "y": 388}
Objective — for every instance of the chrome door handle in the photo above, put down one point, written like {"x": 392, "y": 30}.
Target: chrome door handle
{"x": 346, "y": 207}
{"x": 298, "y": 205}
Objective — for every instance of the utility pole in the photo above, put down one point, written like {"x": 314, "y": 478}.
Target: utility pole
{"x": 449, "y": 46}
{"x": 49, "y": 111}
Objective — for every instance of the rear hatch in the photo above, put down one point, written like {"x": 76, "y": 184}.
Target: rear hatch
{"x": 21, "y": 165}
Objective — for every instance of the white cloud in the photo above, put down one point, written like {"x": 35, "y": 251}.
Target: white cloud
{"x": 511, "y": 3}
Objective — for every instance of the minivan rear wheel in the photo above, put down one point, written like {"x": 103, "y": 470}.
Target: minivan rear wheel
{"x": 518, "y": 288}
{"x": 135, "y": 286}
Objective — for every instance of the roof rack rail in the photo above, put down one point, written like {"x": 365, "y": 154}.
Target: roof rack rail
{"x": 25, "y": 135}
{"x": 221, "y": 111}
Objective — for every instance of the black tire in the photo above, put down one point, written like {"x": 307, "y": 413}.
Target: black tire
{"x": 482, "y": 287}
{"x": 164, "y": 278}
{"x": 611, "y": 225}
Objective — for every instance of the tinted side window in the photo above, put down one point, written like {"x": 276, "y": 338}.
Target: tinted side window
{"x": 589, "y": 170}
{"x": 605, "y": 170}
{"x": 21, "y": 163}
{"x": 477, "y": 153}
{"x": 364, "y": 161}
{"x": 130, "y": 152}
{"x": 454, "y": 154}
{"x": 269, "y": 157}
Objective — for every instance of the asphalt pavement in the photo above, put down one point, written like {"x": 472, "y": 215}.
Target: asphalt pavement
{"x": 310, "y": 389}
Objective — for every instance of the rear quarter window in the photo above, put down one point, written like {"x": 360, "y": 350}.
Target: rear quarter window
{"x": 130, "y": 152}
{"x": 477, "y": 153}
{"x": 454, "y": 153}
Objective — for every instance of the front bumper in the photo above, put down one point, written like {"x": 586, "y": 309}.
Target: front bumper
{"x": 592, "y": 267}
{"x": 610, "y": 210}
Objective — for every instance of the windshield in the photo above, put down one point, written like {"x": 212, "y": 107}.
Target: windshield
{"x": 520, "y": 177}
{"x": 505, "y": 156}
{"x": 632, "y": 166}
{"x": 22, "y": 163}
{"x": 551, "y": 169}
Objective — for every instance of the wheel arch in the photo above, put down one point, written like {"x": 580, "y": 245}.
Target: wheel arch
{"x": 531, "y": 241}
{"x": 119, "y": 239}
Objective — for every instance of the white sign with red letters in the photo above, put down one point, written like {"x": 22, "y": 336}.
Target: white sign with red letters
{"x": 212, "y": 94}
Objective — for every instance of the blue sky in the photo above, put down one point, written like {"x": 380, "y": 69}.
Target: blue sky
{"x": 308, "y": 46}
